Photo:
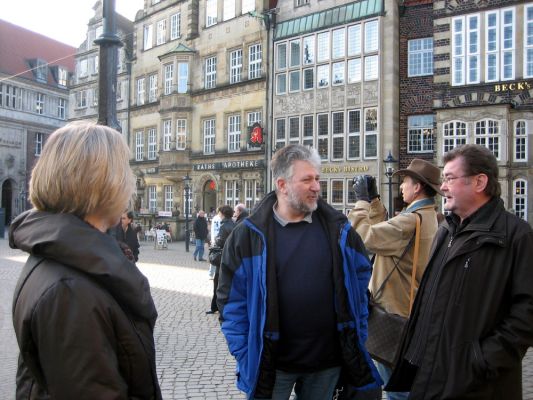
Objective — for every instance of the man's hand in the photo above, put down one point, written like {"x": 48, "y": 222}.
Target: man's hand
{"x": 360, "y": 188}
{"x": 371, "y": 187}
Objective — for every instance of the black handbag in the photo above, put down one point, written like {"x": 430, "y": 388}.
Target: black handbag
{"x": 385, "y": 330}
{"x": 215, "y": 256}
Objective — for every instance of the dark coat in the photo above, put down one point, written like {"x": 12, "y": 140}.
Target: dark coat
{"x": 226, "y": 226}
{"x": 248, "y": 300}
{"x": 82, "y": 312}
{"x": 130, "y": 238}
{"x": 482, "y": 316}
{"x": 200, "y": 228}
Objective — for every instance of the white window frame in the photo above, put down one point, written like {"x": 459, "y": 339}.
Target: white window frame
{"x": 371, "y": 67}
{"x": 458, "y": 51}
{"x": 61, "y": 108}
{"x": 81, "y": 99}
{"x": 183, "y": 77}
{"x": 322, "y": 136}
{"x": 148, "y": 37}
{"x": 169, "y": 78}
{"x": 354, "y": 133}
{"x": 371, "y": 42}
{"x": 152, "y": 198}
{"x": 500, "y": 47}
{"x": 281, "y": 56}
{"x": 369, "y": 133}
{"x": 84, "y": 68}
{"x": 281, "y": 84}
{"x": 210, "y": 72}
{"x": 305, "y": 72}
{"x": 454, "y": 134}
{"x": 139, "y": 146}
{"x": 232, "y": 192}
{"x": 294, "y": 81}
{"x": 354, "y": 70}
{"x": 254, "y": 61}
{"x": 169, "y": 197}
{"x": 308, "y": 134}
{"x": 234, "y": 133}
{"x": 338, "y": 134}
{"x": 39, "y": 103}
{"x": 152, "y": 93}
{"x": 209, "y": 136}
{"x": 338, "y": 43}
{"x": 520, "y": 141}
{"x": 152, "y": 144}
{"x": 308, "y": 50}
{"x": 322, "y": 47}
{"x": 140, "y": 91}
{"x": 333, "y": 198}
{"x": 211, "y": 12}
{"x": 528, "y": 42}
{"x": 62, "y": 76}
{"x": 161, "y": 32}
{"x": 487, "y": 134}
{"x": 294, "y": 130}
{"x": 250, "y": 193}
{"x": 235, "y": 66}
{"x": 520, "y": 198}
{"x": 420, "y": 57}
{"x": 338, "y": 73}
{"x": 322, "y": 79}
{"x": 420, "y": 127}
{"x": 354, "y": 40}
{"x": 181, "y": 134}
{"x": 473, "y": 49}
{"x": 175, "y": 26}
{"x": 167, "y": 134}
{"x": 39, "y": 140}
{"x": 280, "y": 139}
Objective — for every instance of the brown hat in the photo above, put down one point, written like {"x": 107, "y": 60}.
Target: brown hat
{"x": 425, "y": 172}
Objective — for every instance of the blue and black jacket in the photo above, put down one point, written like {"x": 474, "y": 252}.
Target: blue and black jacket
{"x": 248, "y": 303}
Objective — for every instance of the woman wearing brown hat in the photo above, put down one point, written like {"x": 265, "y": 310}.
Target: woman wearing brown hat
{"x": 392, "y": 241}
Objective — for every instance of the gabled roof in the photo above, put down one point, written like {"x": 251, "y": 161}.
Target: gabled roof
{"x": 180, "y": 48}
{"x": 20, "y": 48}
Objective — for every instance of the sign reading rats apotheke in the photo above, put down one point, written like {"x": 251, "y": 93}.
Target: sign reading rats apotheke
{"x": 241, "y": 164}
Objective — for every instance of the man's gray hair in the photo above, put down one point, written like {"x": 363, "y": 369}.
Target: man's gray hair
{"x": 284, "y": 158}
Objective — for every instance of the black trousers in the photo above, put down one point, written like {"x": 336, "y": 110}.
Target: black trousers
{"x": 214, "y": 306}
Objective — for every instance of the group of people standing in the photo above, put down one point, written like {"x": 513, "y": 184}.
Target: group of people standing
{"x": 292, "y": 285}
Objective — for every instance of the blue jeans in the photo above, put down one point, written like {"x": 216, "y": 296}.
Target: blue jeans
{"x": 312, "y": 386}
{"x": 199, "y": 251}
{"x": 386, "y": 373}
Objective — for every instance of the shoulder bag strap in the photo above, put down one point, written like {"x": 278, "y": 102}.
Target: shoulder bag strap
{"x": 415, "y": 261}
{"x": 395, "y": 266}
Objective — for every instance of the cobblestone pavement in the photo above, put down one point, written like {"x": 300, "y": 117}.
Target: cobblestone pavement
{"x": 192, "y": 357}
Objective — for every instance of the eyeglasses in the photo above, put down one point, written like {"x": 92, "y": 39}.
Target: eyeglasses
{"x": 449, "y": 180}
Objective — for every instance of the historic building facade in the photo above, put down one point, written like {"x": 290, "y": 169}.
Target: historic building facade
{"x": 84, "y": 84}
{"x": 483, "y": 87}
{"x": 335, "y": 87}
{"x": 199, "y": 92}
{"x": 34, "y": 74}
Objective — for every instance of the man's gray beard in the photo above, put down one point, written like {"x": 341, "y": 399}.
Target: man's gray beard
{"x": 299, "y": 205}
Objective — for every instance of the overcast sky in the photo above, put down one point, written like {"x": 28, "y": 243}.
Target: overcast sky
{"x": 62, "y": 20}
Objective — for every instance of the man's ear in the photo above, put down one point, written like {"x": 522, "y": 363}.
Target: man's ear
{"x": 480, "y": 183}
{"x": 281, "y": 185}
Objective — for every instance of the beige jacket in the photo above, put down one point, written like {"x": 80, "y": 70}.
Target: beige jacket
{"x": 387, "y": 240}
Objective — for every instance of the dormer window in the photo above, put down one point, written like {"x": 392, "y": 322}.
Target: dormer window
{"x": 41, "y": 71}
{"x": 62, "y": 76}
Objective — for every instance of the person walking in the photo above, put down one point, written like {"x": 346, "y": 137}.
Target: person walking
{"x": 472, "y": 321}
{"x": 226, "y": 227}
{"x": 200, "y": 235}
{"x": 126, "y": 233}
{"x": 292, "y": 291}
{"x": 391, "y": 241}
{"x": 215, "y": 227}
{"x": 82, "y": 312}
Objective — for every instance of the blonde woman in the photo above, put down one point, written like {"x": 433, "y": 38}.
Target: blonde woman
{"x": 83, "y": 314}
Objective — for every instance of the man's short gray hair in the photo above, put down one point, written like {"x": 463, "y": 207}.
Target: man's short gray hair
{"x": 284, "y": 158}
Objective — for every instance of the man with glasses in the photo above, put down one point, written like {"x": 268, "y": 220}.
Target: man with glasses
{"x": 472, "y": 321}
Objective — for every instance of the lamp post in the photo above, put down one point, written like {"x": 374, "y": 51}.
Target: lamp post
{"x": 389, "y": 170}
{"x": 22, "y": 196}
{"x": 187, "y": 179}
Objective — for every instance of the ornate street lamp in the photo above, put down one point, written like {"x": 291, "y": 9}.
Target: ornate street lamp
{"x": 187, "y": 179}
{"x": 389, "y": 170}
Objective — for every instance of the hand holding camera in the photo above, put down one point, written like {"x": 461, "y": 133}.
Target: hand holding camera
{"x": 365, "y": 188}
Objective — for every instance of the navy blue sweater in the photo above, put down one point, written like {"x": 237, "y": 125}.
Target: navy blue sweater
{"x": 308, "y": 334}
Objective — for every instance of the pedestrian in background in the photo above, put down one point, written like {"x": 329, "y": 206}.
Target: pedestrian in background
{"x": 226, "y": 227}
{"x": 293, "y": 291}
{"x": 200, "y": 235}
{"x": 240, "y": 213}
{"x": 215, "y": 227}
{"x": 127, "y": 233}
{"x": 392, "y": 241}
{"x": 472, "y": 320}
{"x": 82, "y": 312}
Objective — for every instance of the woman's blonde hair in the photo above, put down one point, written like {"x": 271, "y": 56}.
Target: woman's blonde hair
{"x": 83, "y": 170}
